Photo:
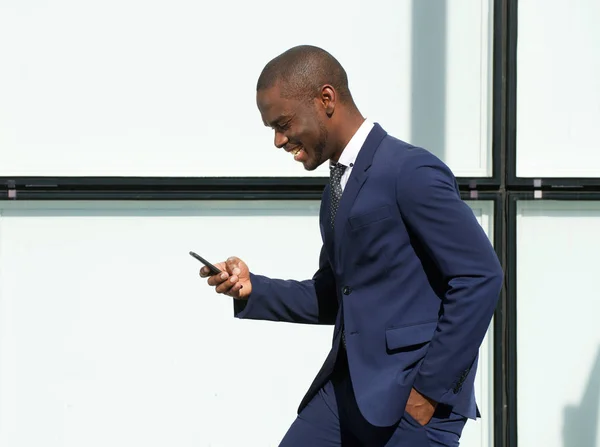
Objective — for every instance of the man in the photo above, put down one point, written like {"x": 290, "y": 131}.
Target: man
{"x": 406, "y": 273}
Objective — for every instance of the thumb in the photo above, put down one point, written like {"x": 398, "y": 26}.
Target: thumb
{"x": 233, "y": 265}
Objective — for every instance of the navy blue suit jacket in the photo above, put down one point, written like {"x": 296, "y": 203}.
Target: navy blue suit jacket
{"x": 412, "y": 274}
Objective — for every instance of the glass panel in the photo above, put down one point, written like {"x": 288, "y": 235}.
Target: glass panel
{"x": 137, "y": 88}
{"x": 104, "y": 322}
{"x": 558, "y": 86}
{"x": 558, "y": 341}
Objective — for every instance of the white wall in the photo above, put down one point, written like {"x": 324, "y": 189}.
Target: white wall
{"x": 157, "y": 88}
{"x": 558, "y": 335}
{"x": 109, "y": 337}
{"x": 558, "y": 83}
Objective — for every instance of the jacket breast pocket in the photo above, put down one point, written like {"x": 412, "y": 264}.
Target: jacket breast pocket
{"x": 409, "y": 338}
{"x": 369, "y": 217}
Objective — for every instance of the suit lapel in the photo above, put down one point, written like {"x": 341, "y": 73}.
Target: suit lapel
{"x": 358, "y": 176}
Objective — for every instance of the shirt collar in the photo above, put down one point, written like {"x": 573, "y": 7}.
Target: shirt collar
{"x": 350, "y": 152}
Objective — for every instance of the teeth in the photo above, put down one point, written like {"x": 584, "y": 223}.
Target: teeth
{"x": 295, "y": 151}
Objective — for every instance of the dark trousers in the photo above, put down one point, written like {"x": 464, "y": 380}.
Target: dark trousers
{"x": 332, "y": 419}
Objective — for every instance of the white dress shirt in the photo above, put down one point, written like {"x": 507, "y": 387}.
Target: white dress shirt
{"x": 350, "y": 152}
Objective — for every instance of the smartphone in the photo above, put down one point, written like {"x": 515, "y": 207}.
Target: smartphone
{"x": 213, "y": 269}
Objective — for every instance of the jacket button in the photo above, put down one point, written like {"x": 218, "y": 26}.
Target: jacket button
{"x": 346, "y": 290}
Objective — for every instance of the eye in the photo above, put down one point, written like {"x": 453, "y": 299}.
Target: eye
{"x": 284, "y": 125}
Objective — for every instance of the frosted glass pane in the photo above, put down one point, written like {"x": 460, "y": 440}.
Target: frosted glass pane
{"x": 143, "y": 88}
{"x": 558, "y": 341}
{"x": 109, "y": 337}
{"x": 558, "y": 100}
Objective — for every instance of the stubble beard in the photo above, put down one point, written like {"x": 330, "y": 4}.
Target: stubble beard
{"x": 318, "y": 152}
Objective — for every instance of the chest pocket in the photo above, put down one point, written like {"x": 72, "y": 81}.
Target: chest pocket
{"x": 368, "y": 247}
{"x": 369, "y": 217}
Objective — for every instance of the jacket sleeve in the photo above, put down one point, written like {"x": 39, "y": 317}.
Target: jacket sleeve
{"x": 312, "y": 301}
{"x": 433, "y": 211}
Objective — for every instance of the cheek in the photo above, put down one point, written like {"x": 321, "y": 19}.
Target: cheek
{"x": 309, "y": 133}
{"x": 300, "y": 135}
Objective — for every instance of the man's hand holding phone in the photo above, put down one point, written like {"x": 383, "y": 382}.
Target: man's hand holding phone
{"x": 234, "y": 279}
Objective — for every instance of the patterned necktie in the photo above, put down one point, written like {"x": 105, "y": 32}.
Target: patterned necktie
{"x": 335, "y": 178}
{"x": 337, "y": 170}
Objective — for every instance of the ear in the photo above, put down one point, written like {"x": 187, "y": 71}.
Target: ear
{"x": 328, "y": 99}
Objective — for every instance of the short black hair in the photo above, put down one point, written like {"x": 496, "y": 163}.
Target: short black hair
{"x": 302, "y": 71}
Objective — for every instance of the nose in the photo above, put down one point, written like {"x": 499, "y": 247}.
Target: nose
{"x": 280, "y": 140}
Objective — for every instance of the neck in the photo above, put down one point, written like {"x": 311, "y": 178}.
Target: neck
{"x": 350, "y": 122}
